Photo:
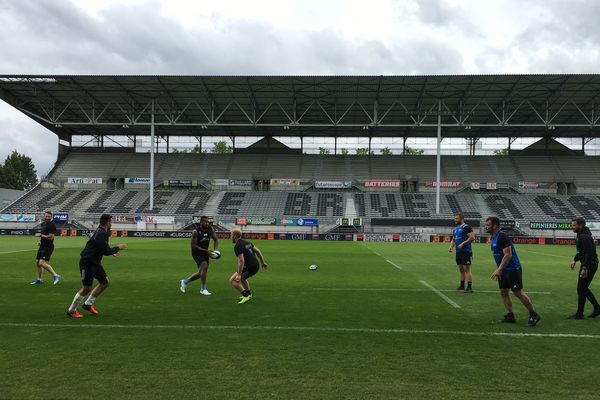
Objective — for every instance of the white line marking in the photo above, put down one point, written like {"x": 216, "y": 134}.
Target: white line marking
{"x": 15, "y": 251}
{"x": 385, "y": 258}
{"x": 442, "y": 295}
{"x": 300, "y": 328}
{"x": 395, "y": 265}
{"x": 410, "y": 290}
{"x": 544, "y": 254}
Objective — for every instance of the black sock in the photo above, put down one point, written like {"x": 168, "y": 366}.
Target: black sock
{"x": 462, "y": 284}
{"x": 246, "y": 293}
{"x": 533, "y": 313}
{"x": 469, "y": 284}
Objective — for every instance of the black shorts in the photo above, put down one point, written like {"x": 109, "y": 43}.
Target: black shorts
{"x": 464, "y": 258}
{"x": 200, "y": 258}
{"x": 249, "y": 270}
{"x": 90, "y": 271}
{"x": 44, "y": 253}
{"x": 512, "y": 279}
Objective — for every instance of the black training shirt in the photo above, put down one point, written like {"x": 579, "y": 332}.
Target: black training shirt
{"x": 46, "y": 229}
{"x": 97, "y": 246}
{"x": 247, "y": 249}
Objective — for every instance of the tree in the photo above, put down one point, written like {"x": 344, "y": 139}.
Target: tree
{"x": 409, "y": 151}
{"x": 501, "y": 152}
{"x": 220, "y": 148}
{"x": 386, "y": 151}
{"x": 344, "y": 152}
{"x": 18, "y": 172}
{"x": 324, "y": 151}
{"x": 362, "y": 151}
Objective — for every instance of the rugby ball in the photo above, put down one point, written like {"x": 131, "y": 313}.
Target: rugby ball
{"x": 215, "y": 254}
{"x": 313, "y": 267}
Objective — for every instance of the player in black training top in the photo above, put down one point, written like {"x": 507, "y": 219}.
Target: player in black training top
{"x": 246, "y": 254}
{"x": 586, "y": 254}
{"x": 42, "y": 259}
{"x": 201, "y": 254}
{"x": 90, "y": 266}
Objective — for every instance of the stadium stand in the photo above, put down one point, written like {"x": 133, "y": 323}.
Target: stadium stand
{"x": 578, "y": 169}
{"x": 87, "y": 203}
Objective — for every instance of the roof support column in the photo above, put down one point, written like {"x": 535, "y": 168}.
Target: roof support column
{"x": 439, "y": 160}
{"x": 151, "y": 207}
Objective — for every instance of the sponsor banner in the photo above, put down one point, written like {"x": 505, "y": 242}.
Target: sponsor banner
{"x": 593, "y": 225}
{"x": 307, "y": 222}
{"x": 124, "y": 219}
{"x": 159, "y": 219}
{"x": 137, "y": 181}
{"x": 529, "y": 185}
{"x": 508, "y": 223}
{"x": 240, "y": 182}
{"x": 411, "y": 238}
{"x": 315, "y": 236}
{"x": 490, "y": 185}
{"x": 18, "y": 232}
{"x": 554, "y": 225}
{"x": 285, "y": 182}
{"x": 60, "y": 217}
{"x": 85, "y": 181}
{"x": 287, "y": 221}
{"x": 17, "y": 217}
{"x": 256, "y": 221}
{"x": 375, "y": 237}
{"x": 180, "y": 183}
{"x": 434, "y": 222}
{"x": 475, "y": 186}
{"x": 333, "y": 184}
{"x": 220, "y": 182}
{"x": 444, "y": 184}
{"x": 536, "y": 185}
{"x": 155, "y": 234}
{"x": 502, "y": 185}
{"x": 382, "y": 184}
{"x": 564, "y": 242}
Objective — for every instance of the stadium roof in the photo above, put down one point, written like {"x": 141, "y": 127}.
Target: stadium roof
{"x": 375, "y": 106}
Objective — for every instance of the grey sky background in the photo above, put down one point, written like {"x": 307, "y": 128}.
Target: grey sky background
{"x": 271, "y": 37}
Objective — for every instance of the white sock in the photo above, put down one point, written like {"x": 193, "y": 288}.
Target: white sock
{"x": 90, "y": 300}
{"x": 76, "y": 301}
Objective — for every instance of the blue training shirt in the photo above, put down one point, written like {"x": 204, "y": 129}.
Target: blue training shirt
{"x": 460, "y": 235}
{"x": 499, "y": 242}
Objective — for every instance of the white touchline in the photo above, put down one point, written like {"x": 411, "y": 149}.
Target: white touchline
{"x": 336, "y": 289}
{"x": 299, "y": 328}
{"x": 442, "y": 295}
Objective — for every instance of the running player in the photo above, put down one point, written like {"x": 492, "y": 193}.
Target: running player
{"x": 90, "y": 266}
{"x": 42, "y": 259}
{"x": 201, "y": 255}
{"x": 509, "y": 272}
{"x": 461, "y": 239}
{"x": 246, "y": 254}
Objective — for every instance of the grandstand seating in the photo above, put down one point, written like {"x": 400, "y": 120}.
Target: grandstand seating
{"x": 325, "y": 205}
{"x": 579, "y": 169}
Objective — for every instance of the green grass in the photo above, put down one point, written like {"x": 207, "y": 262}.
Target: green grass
{"x": 173, "y": 345}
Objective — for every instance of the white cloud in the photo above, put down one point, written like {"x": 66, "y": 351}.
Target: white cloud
{"x": 285, "y": 37}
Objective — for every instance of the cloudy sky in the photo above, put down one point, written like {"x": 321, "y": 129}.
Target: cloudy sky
{"x": 279, "y": 37}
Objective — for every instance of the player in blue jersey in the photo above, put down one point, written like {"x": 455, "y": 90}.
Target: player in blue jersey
{"x": 509, "y": 272}
{"x": 462, "y": 237}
